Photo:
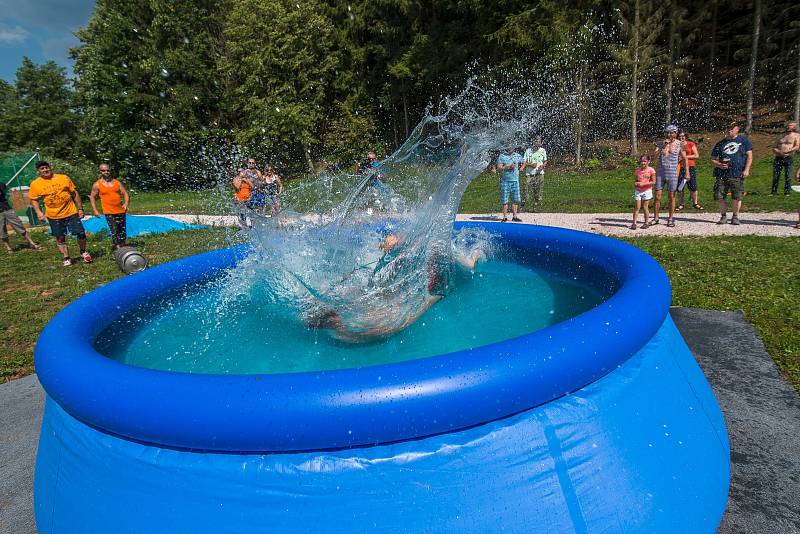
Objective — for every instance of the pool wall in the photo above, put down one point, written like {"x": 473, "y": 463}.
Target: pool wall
{"x": 602, "y": 422}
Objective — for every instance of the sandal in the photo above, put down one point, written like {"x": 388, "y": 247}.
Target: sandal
{"x": 503, "y": 220}
{"x": 516, "y": 219}
{"x": 670, "y": 223}
{"x": 654, "y": 222}
{"x": 632, "y": 227}
{"x": 680, "y": 207}
{"x": 698, "y": 207}
{"x": 67, "y": 262}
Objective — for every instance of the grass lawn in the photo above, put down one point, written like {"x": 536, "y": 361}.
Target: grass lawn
{"x": 36, "y": 286}
{"x": 759, "y": 275}
{"x": 611, "y": 191}
{"x": 204, "y": 201}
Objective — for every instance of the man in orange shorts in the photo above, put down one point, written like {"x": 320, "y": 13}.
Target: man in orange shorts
{"x": 63, "y": 209}
{"x": 114, "y": 201}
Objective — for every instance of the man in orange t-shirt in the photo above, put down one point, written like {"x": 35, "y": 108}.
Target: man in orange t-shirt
{"x": 114, "y": 201}
{"x": 63, "y": 209}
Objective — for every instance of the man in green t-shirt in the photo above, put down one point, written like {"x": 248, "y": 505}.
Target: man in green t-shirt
{"x": 533, "y": 163}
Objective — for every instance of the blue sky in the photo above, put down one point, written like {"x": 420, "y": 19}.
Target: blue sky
{"x": 41, "y": 30}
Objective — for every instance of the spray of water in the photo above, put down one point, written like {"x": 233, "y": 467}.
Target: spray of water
{"x": 364, "y": 254}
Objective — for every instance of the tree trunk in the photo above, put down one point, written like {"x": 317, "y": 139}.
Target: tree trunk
{"x": 670, "y": 60}
{"x": 753, "y": 56}
{"x": 635, "y": 80}
{"x": 580, "y": 121}
{"x": 712, "y": 60}
{"x": 394, "y": 125}
{"x": 405, "y": 112}
{"x": 797, "y": 88}
{"x": 309, "y": 162}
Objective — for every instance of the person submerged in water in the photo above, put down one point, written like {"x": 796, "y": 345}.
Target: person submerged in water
{"x": 380, "y": 321}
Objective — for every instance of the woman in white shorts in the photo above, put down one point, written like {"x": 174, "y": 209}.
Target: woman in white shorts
{"x": 643, "y": 190}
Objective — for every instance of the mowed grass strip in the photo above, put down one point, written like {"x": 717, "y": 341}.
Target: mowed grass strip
{"x": 35, "y": 286}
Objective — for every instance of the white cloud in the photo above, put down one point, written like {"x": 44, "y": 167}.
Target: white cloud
{"x": 13, "y": 36}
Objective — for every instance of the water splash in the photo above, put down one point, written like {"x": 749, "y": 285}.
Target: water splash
{"x": 365, "y": 254}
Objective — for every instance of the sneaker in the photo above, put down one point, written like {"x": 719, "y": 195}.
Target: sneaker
{"x": 722, "y": 219}
{"x": 87, "y": 258}
{"x": 67, "y": 262}
{"x": 735, "y": 220}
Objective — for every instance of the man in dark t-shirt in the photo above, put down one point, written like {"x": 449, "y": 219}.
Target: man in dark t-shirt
{"x": 731, "y": 158}
{"x": 9, "y": 217}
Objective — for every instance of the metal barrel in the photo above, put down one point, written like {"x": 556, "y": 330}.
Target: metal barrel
{"x": 130, "y": 260}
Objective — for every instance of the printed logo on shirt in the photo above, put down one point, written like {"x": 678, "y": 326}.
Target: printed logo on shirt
{"x": 731, "y": 148}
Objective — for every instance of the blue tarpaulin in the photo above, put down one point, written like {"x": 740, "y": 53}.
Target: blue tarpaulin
{"x": 140, "y": 225}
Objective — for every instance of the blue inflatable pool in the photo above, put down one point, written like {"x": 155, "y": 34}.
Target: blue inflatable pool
{"x": 601, "y": 423}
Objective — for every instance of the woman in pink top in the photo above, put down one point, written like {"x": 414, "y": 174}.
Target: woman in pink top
{"x": 645, "y": 180}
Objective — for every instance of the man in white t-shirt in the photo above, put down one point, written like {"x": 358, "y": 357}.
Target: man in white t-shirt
{"x": 533, "y": 163}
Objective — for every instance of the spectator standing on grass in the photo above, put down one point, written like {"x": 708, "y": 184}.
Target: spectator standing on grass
{"x": 508, "y": 165}
{"x": 534, "y": 162}
{"x": 242, "y": 185}
{"x": 785, "y": 147}
{"x": 9, "y": 217}
{"x": 258, "y": 196}
{"x": 114, "y": 202}
{"x": 668, "y": 153}
{"x": 689, "y": 181}
{"x": 643, "y": 190}
{"x": 63, "y": 209}
{"x": 731, "y": 158}
{"x": 273, "y": 188}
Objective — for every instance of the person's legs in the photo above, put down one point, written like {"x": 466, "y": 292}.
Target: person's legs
{"x": 671, "y": 194}
{"x": 681, "y": 195}
{"x": 76, "y": 229}
{"x": 636, "y": 206}
{"x": 719, "y": 195}
{"x": 515, "y": 200}
{"x": 4, "y": 233}
{"x": 505, "y": 193}
{"x": 116, "y": 225}
{"x": 788, "y": 163}
{"x": 736, "y": 188}
{"x": 10, "y": 217}
{"x": 776, "y": 174}
{"x": 692, "y": 185}
{"x": 538, "y": 187}
{"x": 645, "y": 204}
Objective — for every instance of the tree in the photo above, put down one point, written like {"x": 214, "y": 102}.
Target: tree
{"x": 278, "y": 65}
{"x": 753, "y": 59}
{"x": 40, "y": 113}
{"x": 147, "y": 82}
{"x": 638, "y": 23}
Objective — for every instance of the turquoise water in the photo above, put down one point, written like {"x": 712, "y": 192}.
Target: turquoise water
{"x": 199, "y": 330}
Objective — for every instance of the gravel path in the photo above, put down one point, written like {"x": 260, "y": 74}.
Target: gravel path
{"x": 686, "y": 224}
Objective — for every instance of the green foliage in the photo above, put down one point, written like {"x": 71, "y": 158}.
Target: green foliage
{"x": 38, "y": 111}
{"x": 279, "y": 63}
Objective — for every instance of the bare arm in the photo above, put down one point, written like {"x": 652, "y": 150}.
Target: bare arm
{"x": 694, "y": 154}
{"x": 76, "y": 197}
{"x": 38, "y": 210}
{"x": 92, "y": 199}
{"x": 125, "y": 197}
{"x": 685, "y": 159}
{"x": 747, "y": 165}
{"x": 280, "y": 184}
